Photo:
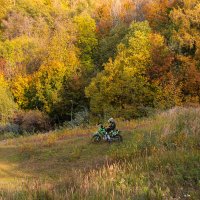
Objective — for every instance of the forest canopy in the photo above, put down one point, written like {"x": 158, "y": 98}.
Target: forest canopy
{"x": 119, "y": 58}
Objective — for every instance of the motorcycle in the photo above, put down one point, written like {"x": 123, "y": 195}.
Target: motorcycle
{"x": 101, "y": 134}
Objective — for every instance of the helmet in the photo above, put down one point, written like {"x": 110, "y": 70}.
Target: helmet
{"x": 101, "y": 125}
{"x": 110, "y": 120}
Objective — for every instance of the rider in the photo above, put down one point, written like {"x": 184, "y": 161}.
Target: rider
{"x": 111, "y": 127}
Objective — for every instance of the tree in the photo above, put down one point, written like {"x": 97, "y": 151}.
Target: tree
{"x": 20, "y": 88}
{"x": 18, "y": 53}
{"x": 163, "y": 75}
{"x": 7, "y": 104}
{"x": 123, "y": 11}
{"x": 107, "y": 47}
{"x": 86, "y": 40}
{"x": 45, "y": 86}
{"x": 185, "y": 41}
{"x": 189, "y": 78}
{"x": 104, "y": 18}
{"x": 186, "y": 19}
{"x": 157, "y": 13}
{"x": 122, "y": 89}
{"x": 17, "y": 24}
{"x": 62, "y": 48}
{"x": 5, "y": 5}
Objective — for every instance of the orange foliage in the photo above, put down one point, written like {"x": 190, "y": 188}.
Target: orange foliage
{"x": 111, "y": 12}
{"x": 189, "y": 76}
{"x": 2, "y": 66}
{"x": 127, "y": 12}
{"x": 104, "y": 18}
{"x": 162, "y": 59}
{"x": 156, "y": 12}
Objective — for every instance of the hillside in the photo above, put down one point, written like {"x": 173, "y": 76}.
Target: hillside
{"x": 159, "y": 159}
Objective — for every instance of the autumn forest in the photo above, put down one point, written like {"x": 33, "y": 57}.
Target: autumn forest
{"x": 122, "y": 58}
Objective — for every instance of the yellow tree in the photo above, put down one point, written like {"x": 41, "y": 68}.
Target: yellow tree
{"x": 20, "y": 87}
{"x": 86, "y": 40}
{"x": 45, "y": 86}
{"x": 5, "y": 5}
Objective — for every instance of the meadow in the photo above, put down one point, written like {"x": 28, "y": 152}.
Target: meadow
{"x": 158, "y": 159}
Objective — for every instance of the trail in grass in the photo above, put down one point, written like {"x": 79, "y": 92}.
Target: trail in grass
{"x": 9, "y": 166}
{"x": 49, "y": 162}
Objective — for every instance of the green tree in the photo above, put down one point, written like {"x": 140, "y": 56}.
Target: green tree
{"x": 107, "y": 47}
{"x": 7, "y": 104}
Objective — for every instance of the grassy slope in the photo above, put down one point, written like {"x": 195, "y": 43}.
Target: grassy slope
{"x": 159, "y": 159}
{"x": 48, "y": 157}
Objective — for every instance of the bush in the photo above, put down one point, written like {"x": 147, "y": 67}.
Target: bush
{"x": 81, "y": 119}
{"x": 31, "y": 121}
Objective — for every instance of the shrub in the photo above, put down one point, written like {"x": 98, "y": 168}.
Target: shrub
{"x": 14, "y": 128}
{"x": 32, "y": 121}
{"x": 81, "y": 119}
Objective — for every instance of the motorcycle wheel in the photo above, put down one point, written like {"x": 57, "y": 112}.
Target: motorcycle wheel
{"x": 118, "y": 138}
{"x": 96, "y": 139}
